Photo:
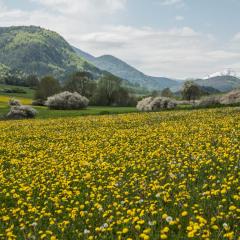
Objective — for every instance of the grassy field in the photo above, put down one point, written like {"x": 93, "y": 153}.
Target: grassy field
{"x": 44, "y": 112}
{"x": 25, "y": 98}
{"x": 169, "y": 175}
{"x": 29, "y": 92}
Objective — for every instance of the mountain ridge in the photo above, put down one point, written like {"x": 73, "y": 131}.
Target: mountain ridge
{"x": 222, "y": 83}
{"x": 226, "y": 72}
{"x": 123, "y": 70}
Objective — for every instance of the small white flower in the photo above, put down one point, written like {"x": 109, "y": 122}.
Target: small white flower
{"x": 86, "y": 231}
{"x": 157, "y": 195}
{"x": 105, "y": 225}
{"x": 141, "y": 201}
{"x": 100, "y": 209}
{"x": 34, "y": 224}
{"x": 225, "y": 225}
{"x": 151, "y": 223}
{"x": 169, "y": 219}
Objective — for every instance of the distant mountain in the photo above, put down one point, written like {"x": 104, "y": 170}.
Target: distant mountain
{"x": 34, "y": 50}
{"x": 123, "y": 70}
{"x": 88, "y": 57}
{"x": 221, "y": 83}
{"x": 226, "y": 72}
{"x": 203, "y": 89}
{"x": 209, "y": 90}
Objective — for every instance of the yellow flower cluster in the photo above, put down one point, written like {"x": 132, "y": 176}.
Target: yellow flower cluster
{"x": 171, "y": 175}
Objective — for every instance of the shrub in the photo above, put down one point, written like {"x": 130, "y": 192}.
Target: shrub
{"x": 209, "y": 101}
{"x": 14, "y": 102}
{"x": 155, "y": 104}
{"x": 67, "y": 100}
{"x": 21, "y": 112}
{"x": 38, "y": 102}
{"x": 14, "y": 90}
{"x": 232, "y": 97}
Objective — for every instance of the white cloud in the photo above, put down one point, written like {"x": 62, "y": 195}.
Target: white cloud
{"x": 171, "y": 2}
{"x": 2, "y": 6}
{"x": 236, "y": 37}
{"x": 85, "y": 7}
{"x": 65, "y": 16}
{"x": 179, "y": 18}
{"x": 178, "y": 52}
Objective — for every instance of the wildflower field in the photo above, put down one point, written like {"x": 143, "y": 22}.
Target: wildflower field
{"x": 169, "y": 175}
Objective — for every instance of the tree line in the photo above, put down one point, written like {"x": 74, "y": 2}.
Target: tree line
{"x": 108, "y": 90}
{"x": 190, "y": 91}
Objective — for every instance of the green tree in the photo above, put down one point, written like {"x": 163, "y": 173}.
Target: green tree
{"x": 155, "y": 93}
{"x": 47, "y": 87}
{"x": 81, "y": 82}
{"x": 106, "y": 90}
{"x": 191, "y": 91}
{"x": 32, "y": 81}
{"x": 166, "y": 92}
{"x": 123, "y": 98}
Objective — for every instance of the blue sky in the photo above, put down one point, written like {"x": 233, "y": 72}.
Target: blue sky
{"x": 174, "y": 38}
{"x": 218, "y": 17}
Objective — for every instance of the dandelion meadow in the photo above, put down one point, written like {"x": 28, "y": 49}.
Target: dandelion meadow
{"x": 169, "y": 175}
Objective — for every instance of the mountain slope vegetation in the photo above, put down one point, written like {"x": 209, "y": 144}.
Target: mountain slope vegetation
{"x": 221, "y": 83}
{"x": 34, "y": 50}
{"x": 123, "y": 70}
{"x": 214, "y": 84}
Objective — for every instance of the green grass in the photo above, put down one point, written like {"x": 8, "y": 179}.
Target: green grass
{"x": 44, "y": 112}
{"x": 29, "y": 92}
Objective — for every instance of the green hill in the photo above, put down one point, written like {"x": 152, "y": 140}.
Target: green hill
{"x": 221, "y": 83}
{"x": 214, "y": 84}
{"x": 125, "y": 71}
{"x": 34, "y": 50}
